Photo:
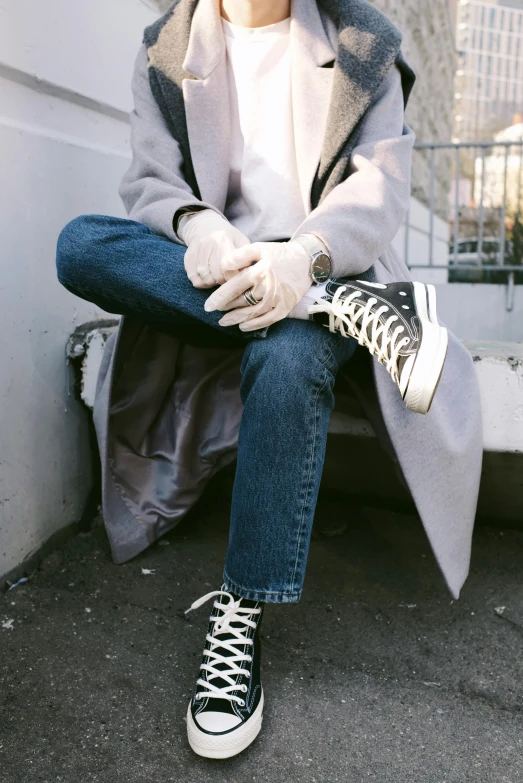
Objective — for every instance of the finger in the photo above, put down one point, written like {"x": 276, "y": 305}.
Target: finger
{"x": 242, "y": 314}
{"x": 232, "y": 289}
{"x": 220, "y": 248}
{"x": 242, "y": 257}
{"x": 263, "y": 290}
{"x": 204, "y": 250}
{"x": 266, "y": 302}
{"x": 267, "y": 319}
{"x": 259, "y": 292}
{"x": 198, "y": 283}
{"x": 238, "y": 240}
{"x": 189, "y": 263}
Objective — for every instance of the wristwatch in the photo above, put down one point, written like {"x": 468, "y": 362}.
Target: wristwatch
{"x": 320, "y": 269}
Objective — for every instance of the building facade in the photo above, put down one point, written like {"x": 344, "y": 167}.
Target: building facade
{"x": 489, "y": 78}
{"x": 499, "y": 187}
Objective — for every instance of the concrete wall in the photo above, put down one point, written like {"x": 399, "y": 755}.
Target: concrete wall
{"x": 478, "y": 312}
{"x": 64, "y": 97}
{"x": 412, "y": 243}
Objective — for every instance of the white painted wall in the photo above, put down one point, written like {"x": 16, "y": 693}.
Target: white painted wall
{"x": 478, "y": 312}
{"x": 64, "y": 94}
{"x": 413, "y": 244}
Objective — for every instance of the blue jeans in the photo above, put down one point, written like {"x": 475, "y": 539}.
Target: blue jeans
{"x": 288, "y": 374}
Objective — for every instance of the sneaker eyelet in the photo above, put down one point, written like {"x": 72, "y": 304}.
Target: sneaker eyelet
{"x": 244, "y": 689}
{"x": 241, "y": 703}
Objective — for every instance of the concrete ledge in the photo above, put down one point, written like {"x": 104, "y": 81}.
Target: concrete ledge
{"x": 499, "y": 367}
{"x": 352, "y": 440}
{"x": 85, "y": 349}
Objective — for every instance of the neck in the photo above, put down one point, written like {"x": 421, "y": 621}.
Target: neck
{"x": 255, "y": 13}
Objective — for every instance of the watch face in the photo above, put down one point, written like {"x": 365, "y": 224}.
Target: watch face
{"x": 321, "y": 268}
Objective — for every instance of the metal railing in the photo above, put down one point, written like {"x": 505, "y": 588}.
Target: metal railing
{"x": 483, "y": 209}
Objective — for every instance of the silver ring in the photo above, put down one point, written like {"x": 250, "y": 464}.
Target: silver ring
{"x": 250, "y": 298}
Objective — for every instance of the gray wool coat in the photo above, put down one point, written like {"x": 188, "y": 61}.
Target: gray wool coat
{"x": 167, "y": 414}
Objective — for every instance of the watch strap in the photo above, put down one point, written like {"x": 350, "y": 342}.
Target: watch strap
{"x": 312, "y": 244}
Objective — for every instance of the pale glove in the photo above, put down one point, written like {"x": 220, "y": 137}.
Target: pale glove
{"x": 209, "y": 238}
{"x": 279, "y": 277}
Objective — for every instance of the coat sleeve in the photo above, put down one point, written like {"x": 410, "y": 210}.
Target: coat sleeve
{"x": 153, "y": 188}
{"x": 360, "y": 217}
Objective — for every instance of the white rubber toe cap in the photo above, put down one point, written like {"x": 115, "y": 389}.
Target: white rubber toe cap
{"x": 223, "y": 746}
{"x": 217, "y": 721}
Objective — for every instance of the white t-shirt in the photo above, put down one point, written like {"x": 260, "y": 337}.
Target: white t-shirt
{"x": 263, "y": 198}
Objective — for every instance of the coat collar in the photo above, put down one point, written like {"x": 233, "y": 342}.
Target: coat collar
{"x": 206, "y": 47}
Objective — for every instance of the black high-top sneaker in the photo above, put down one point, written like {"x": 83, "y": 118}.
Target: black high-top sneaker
{"x": 226, "y": 710}
{"x": 397, "y": 322}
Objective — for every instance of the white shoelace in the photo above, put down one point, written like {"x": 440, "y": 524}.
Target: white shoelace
{"x": 233, "y": 612}
{"x": 352, "y": 319}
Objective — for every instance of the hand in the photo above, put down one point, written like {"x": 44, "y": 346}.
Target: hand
{"x": 209, "y": 238}
{"x": 279, "y": 277}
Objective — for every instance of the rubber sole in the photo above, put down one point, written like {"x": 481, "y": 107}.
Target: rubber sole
{"x": 224, "y": 746}
{"x": 430, "y": 358}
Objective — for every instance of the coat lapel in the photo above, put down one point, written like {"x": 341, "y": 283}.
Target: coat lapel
{"x": 187, "y": 51}
{"x": 368, "y": 46}
{"x": 311, "y": 56}
{"x": 206, "y": 99}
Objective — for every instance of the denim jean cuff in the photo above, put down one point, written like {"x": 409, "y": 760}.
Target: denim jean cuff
{"x": 266, "y": 596}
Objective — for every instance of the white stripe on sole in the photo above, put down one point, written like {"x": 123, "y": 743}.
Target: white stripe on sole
{"x": 430, "y": 357}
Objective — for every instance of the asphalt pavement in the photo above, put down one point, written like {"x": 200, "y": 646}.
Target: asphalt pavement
{"x": 377, "y": 675}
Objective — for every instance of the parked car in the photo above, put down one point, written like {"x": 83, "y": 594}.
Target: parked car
{"x": 468, "y": 257}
